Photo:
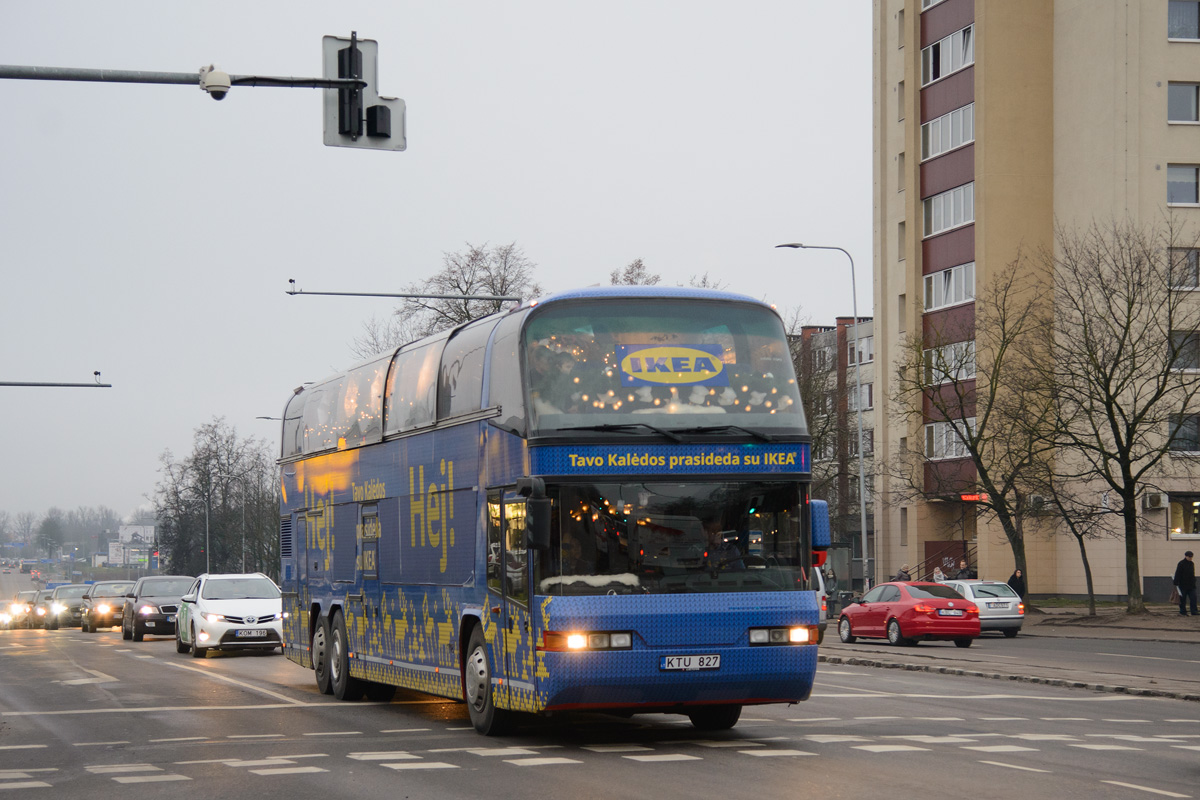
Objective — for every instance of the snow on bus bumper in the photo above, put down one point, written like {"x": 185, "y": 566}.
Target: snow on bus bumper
{"x": 649, "y": 678}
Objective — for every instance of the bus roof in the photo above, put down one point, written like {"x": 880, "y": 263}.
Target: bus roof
{"x": 683, "y": 292}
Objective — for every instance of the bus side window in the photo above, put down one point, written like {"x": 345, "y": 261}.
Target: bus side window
{"x": 460, "y": 389}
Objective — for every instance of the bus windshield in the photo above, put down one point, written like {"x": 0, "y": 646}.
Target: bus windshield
{"x": 653, "y": 538}
{"x": 660, "y": 363}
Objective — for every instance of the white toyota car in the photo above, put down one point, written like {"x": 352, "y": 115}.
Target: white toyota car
{"x": 230, "y": 612}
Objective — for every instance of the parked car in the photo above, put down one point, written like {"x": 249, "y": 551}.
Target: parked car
{"x": 1000, "y": 608}
{"x": 21, "y": 609}
{"x": 906, "y": 612}
{"x": 230, "y": 612}
{"x": 66, "y": 603}
{"x": 151, "y": 606}
{"x": 103, "y": 604}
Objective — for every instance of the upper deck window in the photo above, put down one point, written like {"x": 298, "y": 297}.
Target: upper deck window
{"x": 670, "y": 363}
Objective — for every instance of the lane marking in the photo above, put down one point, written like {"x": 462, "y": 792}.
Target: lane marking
{"x": 816, "y": 719}
{"x": 615, "y": 748}
{"x": 25, "y": 785}
{"x": 335, "y": 733}
{"x": 1104, "y": 747}
{"x": 1181, "y": 720}
{"x": 405, "y": 730}
{"x": 890, "y": 748}
{"x": 108, "y": 769}
{"x": 934, "y": 739}
{"x": 776, "y": 753}
{"x": 1004, "y": 719}
{"x": 422, "y": 765}
{"x": 288, "y": 771}
{"x": 733, "y": 743}
{"x": 181, "y": 739}
{"x": 1151, "y": 658}
{"x": 159, "y": 709}
{"x": 97, "y": 677}
{"x": 1145, "y": 789}
{"x": 664, "y": 757}
{"x": 503, "y": 751}
{"x": 1013, "y": 766}
{"x": 23, "y": 746}
{"x": 539, "y": 762}
{"x": 398, "y": 755}
{"x": 255, "y": 736}
{"x": 150, "y": 778}
{"x": 834, "y": 738}
{"x": 1002, "y": 748}
{"x": 210, "y": 674}
{"x": 261, "y": 762}
{"x": 97, "y": 744}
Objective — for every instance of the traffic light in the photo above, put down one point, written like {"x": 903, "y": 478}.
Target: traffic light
{"x": 359, "y": 117}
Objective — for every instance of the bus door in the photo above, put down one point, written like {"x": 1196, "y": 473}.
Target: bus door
{"x": 368, "y": 564}
{"x": 508, "y": 596}
{"x": 295, "y": 587}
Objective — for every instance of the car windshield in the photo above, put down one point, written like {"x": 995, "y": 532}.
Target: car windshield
{"x": 70, "y": 592}
{"x": 931, "y": 590}
{"x": 992, "y": 590}
{"x": 111, "y": 589}
{"x": 239, "y": 589}
{"x": 166, "y": 587}
{"x": 26, "y": 596}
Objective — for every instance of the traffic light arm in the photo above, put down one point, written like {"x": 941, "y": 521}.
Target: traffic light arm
{"x": 186, "y": 78}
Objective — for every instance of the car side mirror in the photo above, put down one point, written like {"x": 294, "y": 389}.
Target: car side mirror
{"x": 130, "y": 596}
{"x": 188, "y": 598}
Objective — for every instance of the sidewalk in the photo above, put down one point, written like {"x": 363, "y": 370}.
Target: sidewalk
{"x": 1161, "y": 623}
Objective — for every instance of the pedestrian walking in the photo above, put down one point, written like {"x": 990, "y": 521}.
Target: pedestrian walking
{"x": 1016, "y": 582}
{"x": 903, "y": 574}
{"x": 1185, "y": 584}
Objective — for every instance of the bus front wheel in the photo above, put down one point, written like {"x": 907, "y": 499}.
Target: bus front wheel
{"x": 477, "y": 680}
{"x": 715, "y": 718}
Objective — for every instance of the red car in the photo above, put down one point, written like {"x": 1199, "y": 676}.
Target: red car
{"x": 905, "y": 612}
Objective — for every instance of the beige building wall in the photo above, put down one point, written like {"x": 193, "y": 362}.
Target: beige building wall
{"x": 1070, "y": 127}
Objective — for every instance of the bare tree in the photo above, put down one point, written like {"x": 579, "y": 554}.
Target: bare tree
{"x": 705, "y": 282}
{"x": 381, "y": 335}
{"x": 816, "y": 374}
{"x": 634, "y": 274}
{"x": 25, "y": 525}
{"x": 1122, "y": 378}
{"x": 959, "y": 381}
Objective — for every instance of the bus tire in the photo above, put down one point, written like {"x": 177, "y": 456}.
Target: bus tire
{"x": 715, "y": 718}
{"x": 477, "y": 684}
{"x": 380, "y": 692}
{"x": 345, "y": 686}
{"x": 320, "y": 656}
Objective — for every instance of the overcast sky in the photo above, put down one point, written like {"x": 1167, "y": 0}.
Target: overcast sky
{"x": 149, "y": 232}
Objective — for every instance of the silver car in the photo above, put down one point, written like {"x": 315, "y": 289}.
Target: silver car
{"x": 1000, "y": 608}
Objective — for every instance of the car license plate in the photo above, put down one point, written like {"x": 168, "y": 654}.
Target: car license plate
{"x": 997, "y": 605}
{"x": 251, "y": 633}
{"x": 690, "y": 663}
{"x": 171, "y": 618}
{"x": 950, "y": 612}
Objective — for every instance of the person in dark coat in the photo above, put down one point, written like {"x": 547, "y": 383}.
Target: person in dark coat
{"x": 1016, "y": 582}
{"x": 964, "y": 573}
{"x": 903, "y": 574}
{"x": 1185, "y": 582}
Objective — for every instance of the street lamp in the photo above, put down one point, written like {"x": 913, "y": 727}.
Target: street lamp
{"x": 862, "y": 481}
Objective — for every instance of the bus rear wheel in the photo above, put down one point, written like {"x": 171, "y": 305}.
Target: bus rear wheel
{"x": 320, "y": 656}
{"x": 345, "y": 686}
{"x": 477, "y": 681}
{"x": 715, "y": 718}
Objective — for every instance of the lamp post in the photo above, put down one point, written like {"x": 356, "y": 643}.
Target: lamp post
{"x": 862, "y": 481}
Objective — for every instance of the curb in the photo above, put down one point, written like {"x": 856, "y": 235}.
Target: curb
{"x": 971, "y": 673}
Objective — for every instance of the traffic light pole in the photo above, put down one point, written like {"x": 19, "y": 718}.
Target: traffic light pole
{"x": 183, "y": 78}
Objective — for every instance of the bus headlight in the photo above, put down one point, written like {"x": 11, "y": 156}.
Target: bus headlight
{"x": 798, "y": 634}
{"x": 587, "y": 640}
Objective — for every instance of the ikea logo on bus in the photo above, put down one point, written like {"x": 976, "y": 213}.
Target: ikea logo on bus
{"x": 673, "y": 365}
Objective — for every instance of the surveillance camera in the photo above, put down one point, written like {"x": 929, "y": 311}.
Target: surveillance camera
{"x": 215, "y": 82}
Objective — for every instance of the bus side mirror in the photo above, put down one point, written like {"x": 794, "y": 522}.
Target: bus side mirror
{"x": 537, "y": 512}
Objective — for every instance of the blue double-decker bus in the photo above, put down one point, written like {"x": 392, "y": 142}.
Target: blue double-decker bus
{"x": 593, "y": 501}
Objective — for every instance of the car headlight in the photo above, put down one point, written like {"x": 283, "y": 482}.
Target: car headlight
{"x": 41, "y": 612}
{"x": 15, "y": 608}
{"x": 5, "y": 618}
{"x": 214, "y": 617}
{"x": 103, "y": 608}
{"x": 58, "y": 608}
{"x": 148, "y": 610}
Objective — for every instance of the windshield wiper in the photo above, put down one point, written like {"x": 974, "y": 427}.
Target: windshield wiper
{"x": 624, "y": 426}
{"x": 763, "y": 437}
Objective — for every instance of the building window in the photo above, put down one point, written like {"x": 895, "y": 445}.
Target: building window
{"x": 900, "y": 28}
{"x": 953, "y": 362}
{"x": 950, "y": 287}
{"x": 948, "y": 131}
{"x": 866, "y": 350}
{"x": 1182, "y": 184}
{"x": 929, "y": 3}
{"x": 1182, "y": 105}
{"x": 949, "y": 209}
{"x": 1184, "y": 518}
{"x": 1185, "y": 433}
{"x": 1185, "y": 350}
{"x": 1183, "y": 19}
{"x": 949, "y": 55}
{"x": 902, "y": 240}
{"x": 868, "y": 442}
{"x": 942, "y": 440}
{"x": 868, "y": 398}
{"x": 900, "y": 101}
{"x": 1185, "y": 268}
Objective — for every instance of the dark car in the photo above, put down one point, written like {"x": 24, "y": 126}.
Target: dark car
{"x": 21, "y": 609}
{"x": 66, "y": 603}
{"x": 41, "y": 608}
{"x": 150, "y": 607}
{"x": 103, "y": 603}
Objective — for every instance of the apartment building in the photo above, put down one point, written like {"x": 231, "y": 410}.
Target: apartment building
{"x": 993, "y": 121}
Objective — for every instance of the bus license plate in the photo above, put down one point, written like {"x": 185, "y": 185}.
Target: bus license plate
{"x": 950, "y": 612}
{"x": 690, "y": 663}
{"x": 251, "y": 633}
